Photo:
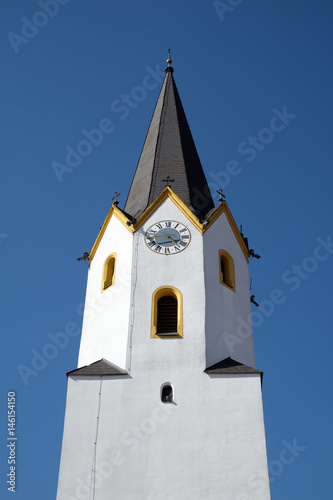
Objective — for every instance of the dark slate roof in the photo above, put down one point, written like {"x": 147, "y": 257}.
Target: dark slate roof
{"x": 99, "y": 368}
{"x": 169, "y": 150}
{"x": 229, "y": 366}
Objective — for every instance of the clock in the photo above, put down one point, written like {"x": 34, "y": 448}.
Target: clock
{"x": 167, "y": 237}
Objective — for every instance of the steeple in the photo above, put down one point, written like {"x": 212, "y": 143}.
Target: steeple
{"x": 169, "y": 155}
{"x": 166, "y": 392}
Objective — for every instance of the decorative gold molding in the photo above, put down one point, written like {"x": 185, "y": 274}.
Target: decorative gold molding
{"x": 121, "y": 217}
{"x": 162, "y": 292}
{"x": 229, "y": 270}
{"x": 223, "y": 208}
{"x": 169, "y": 193}
{"x": 106, "y": 270}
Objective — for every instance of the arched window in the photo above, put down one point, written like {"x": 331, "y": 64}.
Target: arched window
{"x": 109, "y": 271}
{"x": 167, "y": 393}
{"x": 167, "y": 313}
{"x": 227, "y": 270}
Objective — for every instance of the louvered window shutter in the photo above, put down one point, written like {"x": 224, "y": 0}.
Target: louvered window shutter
{"x": 167, "y": 315}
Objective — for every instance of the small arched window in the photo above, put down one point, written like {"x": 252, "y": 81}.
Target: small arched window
{"x": 167, "y": 393}
{"x": 227, "y": 270}
{"x": 167, "y": 313}
{"x": 109, "y": 271}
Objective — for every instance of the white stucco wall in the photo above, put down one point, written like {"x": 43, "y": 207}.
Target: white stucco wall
{"x": 183, "y": 271}
{"x": 209, "y": 444}
{"x": 228, "y": 312}
{"x": 106, "y": 314}
{"x": 217, "y": 319}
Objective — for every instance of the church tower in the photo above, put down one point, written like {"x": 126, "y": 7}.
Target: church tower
{"x": 166, "y": 401}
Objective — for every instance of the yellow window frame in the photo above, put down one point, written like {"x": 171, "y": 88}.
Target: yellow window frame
{"x": 162, "y": 292}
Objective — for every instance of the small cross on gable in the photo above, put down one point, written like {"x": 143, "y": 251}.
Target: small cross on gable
{"x": 168, "y": 180}
{"x": 222, "y": 196}
{"x": 115, "y": 198}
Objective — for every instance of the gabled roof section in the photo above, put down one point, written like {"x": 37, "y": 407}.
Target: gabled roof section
{"x": 134, "y": 225}
{"x": 113, "y": 212}
{"x": 169, "y": 150}
{"x": 229, "y": 366}
{"x": 99, "y": 368}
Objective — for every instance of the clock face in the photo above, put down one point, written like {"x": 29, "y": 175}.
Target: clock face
{"x": 168, "y": 237}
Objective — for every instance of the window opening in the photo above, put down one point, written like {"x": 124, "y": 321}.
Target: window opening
{"x": 167, "y": 315}
{"x": 167, "y": 394}
{"x": 109, "y": 272}
{"x": 227, "y": 271}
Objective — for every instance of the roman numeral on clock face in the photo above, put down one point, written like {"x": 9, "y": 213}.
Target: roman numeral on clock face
{"x": 167, "y": 237}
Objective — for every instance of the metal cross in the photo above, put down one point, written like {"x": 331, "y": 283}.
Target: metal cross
{"x": 84, "y": 257}
{"x": 252, "y": 299}
{"x": 168, "y": 180}
{"x": 222, "y": 196}
{"x": 115, "y": 198}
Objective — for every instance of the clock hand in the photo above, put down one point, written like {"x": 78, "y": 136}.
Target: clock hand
{"x": 173, "y": 241}
{"x": 166, "y": 234}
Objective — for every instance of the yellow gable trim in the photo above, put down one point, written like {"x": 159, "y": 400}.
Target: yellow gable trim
{"x": 223, "y": 208}
{"x": 169, "y": 193}
{"x": 114, "y": 211}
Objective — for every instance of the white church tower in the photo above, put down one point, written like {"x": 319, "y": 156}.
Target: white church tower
{"x": 166, "y": 401}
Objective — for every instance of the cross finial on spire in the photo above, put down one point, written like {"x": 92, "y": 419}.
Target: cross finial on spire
{"x": 115, "y": 198}
{"x": 168, "y": 180}
{"x": 222, "y": 196}
{"x": 169, "y": 60}
{"x": 169, "y": 68}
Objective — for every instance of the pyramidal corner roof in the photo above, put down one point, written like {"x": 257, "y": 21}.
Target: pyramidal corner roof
{"x": 229, "y": 366}
{"x": 169, "y": 157}
{"x": 98, "y": 368}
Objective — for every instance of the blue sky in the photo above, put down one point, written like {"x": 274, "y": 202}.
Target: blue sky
{"x": 236, "y": 69}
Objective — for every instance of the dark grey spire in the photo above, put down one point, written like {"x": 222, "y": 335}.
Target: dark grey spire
{"x": 169, "y": 152}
